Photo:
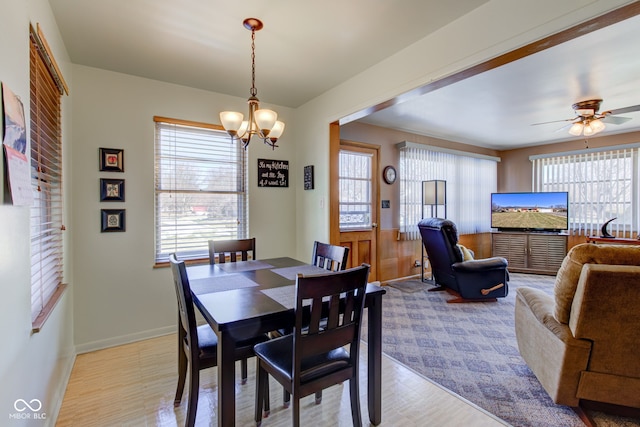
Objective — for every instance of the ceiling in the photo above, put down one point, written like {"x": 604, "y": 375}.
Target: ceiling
{"x": 202, "y": 44}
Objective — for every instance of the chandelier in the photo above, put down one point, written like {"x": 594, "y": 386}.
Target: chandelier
{"x": 261, "y": 122}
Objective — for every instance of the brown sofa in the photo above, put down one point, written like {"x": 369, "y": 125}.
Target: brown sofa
{"x": 582, "y": 343}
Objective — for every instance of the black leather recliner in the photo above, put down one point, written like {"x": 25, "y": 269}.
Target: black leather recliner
{"x": 483, "y": 279}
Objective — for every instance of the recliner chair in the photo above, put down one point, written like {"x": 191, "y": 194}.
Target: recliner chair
{"x": 472, "y": 280}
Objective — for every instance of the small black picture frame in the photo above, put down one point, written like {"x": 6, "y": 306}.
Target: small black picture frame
{"x": 112, "y": 220}
{"x": 111, "y": 160}
{"x": 308, "y": 177}
{"x": 111, "y": 190}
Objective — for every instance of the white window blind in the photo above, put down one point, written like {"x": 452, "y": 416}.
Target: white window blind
{"x": 200, "y": 188}
{"x": 355, "y": 190}
{"x": 602, "y": 184}
{"x": 470, "y": 181}
{"x": 46, "y": 179}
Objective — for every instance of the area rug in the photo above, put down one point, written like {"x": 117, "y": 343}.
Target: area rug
{"x": 471, "y": 350}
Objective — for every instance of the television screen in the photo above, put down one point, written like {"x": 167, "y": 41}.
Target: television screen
{"x": 530, "y": 211}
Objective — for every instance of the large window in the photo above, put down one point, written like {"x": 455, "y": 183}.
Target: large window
{"x": 470, "y": 181}
{"x": 200, "y": 188}
{"x": 46, "y": 90}
{"x": 602, "y": 185}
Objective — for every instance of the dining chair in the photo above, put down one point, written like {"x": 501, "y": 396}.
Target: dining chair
{"x": 317, "y": 356}
{"x": 198, "y": 345}
{"x": 218, "y": 250}
{"x": 329, "y": 257}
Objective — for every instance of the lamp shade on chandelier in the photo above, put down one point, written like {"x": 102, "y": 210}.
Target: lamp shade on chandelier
{"x": 263, "y": 123}
{"x": 586, "y": 127}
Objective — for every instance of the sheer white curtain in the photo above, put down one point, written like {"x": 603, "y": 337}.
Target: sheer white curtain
{"x": 470, "y": 181}
{"x": 602, "y": 184}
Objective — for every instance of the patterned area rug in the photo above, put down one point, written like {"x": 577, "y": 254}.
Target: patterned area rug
{"x": 471, "y": 350}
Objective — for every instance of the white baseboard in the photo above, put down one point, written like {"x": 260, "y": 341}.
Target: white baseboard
{"x": 124, "y": 339}
{"x": 60, "y": 392}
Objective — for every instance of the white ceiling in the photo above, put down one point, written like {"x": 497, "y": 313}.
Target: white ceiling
{"x": 306, "y": 48}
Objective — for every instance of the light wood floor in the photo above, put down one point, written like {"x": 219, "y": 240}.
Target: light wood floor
{"x": 134, "y": 385}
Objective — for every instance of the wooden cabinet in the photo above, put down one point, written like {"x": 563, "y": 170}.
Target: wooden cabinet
{"x": 540, "y": 253}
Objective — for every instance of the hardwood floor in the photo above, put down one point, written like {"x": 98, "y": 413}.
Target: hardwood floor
{"x": 134, "y": 385}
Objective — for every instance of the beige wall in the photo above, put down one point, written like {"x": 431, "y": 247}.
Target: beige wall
{"x": 514, "y": 172}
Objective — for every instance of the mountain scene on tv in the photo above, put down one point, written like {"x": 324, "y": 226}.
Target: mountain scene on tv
{"x": 544, "y": 211}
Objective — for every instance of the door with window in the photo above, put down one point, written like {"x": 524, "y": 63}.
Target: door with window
{"x": 358, "y": 203}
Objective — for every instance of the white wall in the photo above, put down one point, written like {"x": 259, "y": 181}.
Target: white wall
{"x": 32, "y": 366}
{"x": 119, "y": 296}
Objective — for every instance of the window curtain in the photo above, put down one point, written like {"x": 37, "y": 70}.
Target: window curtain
{"x": 470, "y": 181}
{"x": 602, "y": 185}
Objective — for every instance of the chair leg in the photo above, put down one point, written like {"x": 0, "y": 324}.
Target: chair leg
{"x": 194, "y": 390}
{"x": 354, "y": 393}
{"x": 262, "y": 394}
{"x": 286, "y": 398}
{"x": 182, "y": 370}
{"x": 296, "y": 411}
{"x": 318, "y": 397}
{"x": 243, "y": 370}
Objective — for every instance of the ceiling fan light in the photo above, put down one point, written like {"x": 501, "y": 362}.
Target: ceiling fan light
{"x": 576, "y": 129}
{"x": 597, "y": 125}
{"x": 588, "y": 130}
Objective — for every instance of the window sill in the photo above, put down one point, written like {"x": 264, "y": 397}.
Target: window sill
{"x": 46, "y": 311}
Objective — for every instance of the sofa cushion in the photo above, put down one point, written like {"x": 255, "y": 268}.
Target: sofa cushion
{"x": 586, "y": 253}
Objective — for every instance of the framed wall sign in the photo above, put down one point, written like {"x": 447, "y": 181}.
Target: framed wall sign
{"x": 111, "y": 190}
{"x": 273, "y": 173}
{"x": 112, "y": 220}
{"x": 111, "y": 160}
{"x": 308, "y": 177}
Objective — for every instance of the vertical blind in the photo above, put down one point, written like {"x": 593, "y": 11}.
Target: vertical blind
{"x": 602, "y": 184}
{"x": 46, "y": 177}
{"x": 200, "y": 188}
{"x": 470, "y": 182}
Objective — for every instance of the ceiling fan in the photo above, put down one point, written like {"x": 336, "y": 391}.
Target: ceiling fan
{"x": 589, "y": 122}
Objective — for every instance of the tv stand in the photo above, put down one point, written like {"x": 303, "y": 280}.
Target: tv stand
{"x": 530, "y": 252}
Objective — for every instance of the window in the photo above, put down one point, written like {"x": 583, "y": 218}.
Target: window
{"x": 355, "y": 190}
{"x": 46, "y": 90}
{"x": 200, "y": 188}
{"x": 470, "y": 178}
{"x": 602, "y": 184}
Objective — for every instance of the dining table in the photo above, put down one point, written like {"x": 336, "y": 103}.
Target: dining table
{"x": 243, "y": 299}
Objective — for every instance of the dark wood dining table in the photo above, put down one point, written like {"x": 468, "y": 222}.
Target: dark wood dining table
{"x": 243, "y": 299}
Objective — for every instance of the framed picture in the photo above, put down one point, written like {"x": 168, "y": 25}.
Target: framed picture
{"x": 111, "y": 190}
{"x": 111, "y": 160}
{"x": 112, "y": 220}
{"x": 308, "y": 177}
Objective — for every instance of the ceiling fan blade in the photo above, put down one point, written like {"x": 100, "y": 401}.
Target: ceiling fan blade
{"x": 615, "y": 120}
{"x": 624, "y": 110}
{"x": 565, "y": 127}
{"x": 555, "y": 121}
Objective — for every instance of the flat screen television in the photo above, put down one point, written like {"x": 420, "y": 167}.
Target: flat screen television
{"x": 535, "y": 211}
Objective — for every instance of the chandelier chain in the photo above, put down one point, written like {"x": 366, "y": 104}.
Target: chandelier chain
{"x": 254, "y": 91}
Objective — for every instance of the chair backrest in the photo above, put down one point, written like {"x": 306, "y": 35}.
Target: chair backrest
{"x": 218, "y": 250}
{"x": 328, "y": 313}
{"x": 329, "y": 257}
{"x": 440, "y": 238}
{"x": 186, "y": 312}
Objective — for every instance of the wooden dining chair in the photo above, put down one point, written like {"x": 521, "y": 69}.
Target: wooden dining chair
{"x": 329, "y": 257}
{"x": 198, "y": 345}
{"x": 317, "y": 356}
{"x": 218, "y": 250}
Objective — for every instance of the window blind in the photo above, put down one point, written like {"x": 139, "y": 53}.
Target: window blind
{"x": 200, "y": 188}
{"x": 470, "y": 181}
{"x": 602, "y": 184}
{"x": 46, "y": 166}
